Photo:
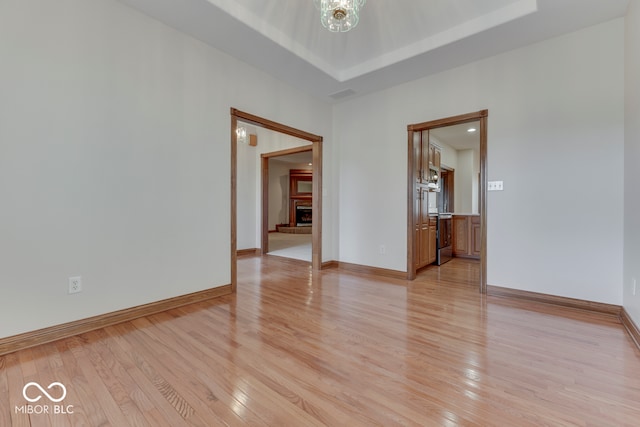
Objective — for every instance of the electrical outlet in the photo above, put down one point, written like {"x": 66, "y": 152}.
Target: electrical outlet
{"x": 633, "y": 286}
{"x": 383, "y": 249}
{"x": 75, "y": 284}
{"x": 496, "y": 186}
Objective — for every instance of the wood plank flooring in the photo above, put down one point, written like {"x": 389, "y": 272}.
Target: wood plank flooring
{"x": 293, "y": 348}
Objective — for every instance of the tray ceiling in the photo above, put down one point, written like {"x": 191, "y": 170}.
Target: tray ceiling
{"x": 396, "y": 40}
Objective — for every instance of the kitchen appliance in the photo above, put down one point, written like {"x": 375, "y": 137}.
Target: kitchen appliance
{"x": 444, "y": 249}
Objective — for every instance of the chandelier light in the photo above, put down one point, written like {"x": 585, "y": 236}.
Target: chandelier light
{"x": 339, "y": 15}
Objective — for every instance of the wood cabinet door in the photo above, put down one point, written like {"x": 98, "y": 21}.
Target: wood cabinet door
{"x": 416, "y": 248}
{"x": 436, "y": 158}
{"x": 425, "y": 159}
{"x": 424, "y": 207}
{"x": 417, "y": 208}
{"x": 432, "y": 243}
{"x": 417, "y": 157}
{"x": 460, "y": 236}
{"x": 424, "y": 245}
{"x": 476, "y": 238}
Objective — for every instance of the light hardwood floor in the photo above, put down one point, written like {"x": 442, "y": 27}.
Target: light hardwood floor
{"x": 340, "y": 349}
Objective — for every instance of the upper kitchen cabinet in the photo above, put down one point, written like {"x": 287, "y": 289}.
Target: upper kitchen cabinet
{"x": 426, "y": 161}
{"x": 434, "y": 167}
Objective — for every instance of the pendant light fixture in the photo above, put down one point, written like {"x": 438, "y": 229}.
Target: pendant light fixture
{"x": 339, "y": 15}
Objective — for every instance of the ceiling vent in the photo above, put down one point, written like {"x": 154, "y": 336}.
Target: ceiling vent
{"x": 342, "y": 94}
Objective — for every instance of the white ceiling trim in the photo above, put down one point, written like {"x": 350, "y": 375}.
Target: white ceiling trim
{"x": 451, "y": 35}
{"x": 284, "y": 38}
{"x": 259, "y": 24}
{"x": 474, "y": 26}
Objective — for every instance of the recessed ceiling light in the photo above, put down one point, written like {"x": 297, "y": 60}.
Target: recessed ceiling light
{"x": 471, "y": 130}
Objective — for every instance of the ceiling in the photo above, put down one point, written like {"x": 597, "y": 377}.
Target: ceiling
{"x": 396, "y": 40}
{"x": 458, "y": 136}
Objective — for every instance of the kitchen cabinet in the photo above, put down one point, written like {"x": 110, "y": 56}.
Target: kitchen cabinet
{"x": 426, "y": 174}
{"x": 476, "y": 237}
{"x": 466, "y": 236}
{"x": 427, "y": 243}
{"x": 426, "y": 161}
{"x": 434, "y": 156}
{"x": 433, "y": 235}
{"x": 425, "y": 230}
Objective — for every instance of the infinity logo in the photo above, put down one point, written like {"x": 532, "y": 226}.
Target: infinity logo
{"x": 43, "y": 391}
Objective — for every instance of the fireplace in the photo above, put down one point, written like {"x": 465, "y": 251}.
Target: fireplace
{"x": 300, "y": 195}
{"x": 303, "y": 214}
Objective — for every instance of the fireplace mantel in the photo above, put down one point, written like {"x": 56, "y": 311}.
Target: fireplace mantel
{"x": 300, "y": 192}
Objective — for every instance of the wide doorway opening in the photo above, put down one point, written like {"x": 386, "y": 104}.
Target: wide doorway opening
{"x": 447, "y": 184}
{"x": 239, "y": 134}
{"x": 287, "y": 203}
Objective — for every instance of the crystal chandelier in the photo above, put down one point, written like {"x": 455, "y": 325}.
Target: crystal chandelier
{"x": 339, "y": 15}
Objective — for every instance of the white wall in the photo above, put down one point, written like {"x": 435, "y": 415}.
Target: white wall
{"x": 278, "y": 192}
{"x": 466, "y": 182}
{"x": 555, "y": 114}
{"x": 248, "y": 177}
{"x": 114, "y": 158}
{"x": 449, "y": 155}
{"x": 631, "y": 162}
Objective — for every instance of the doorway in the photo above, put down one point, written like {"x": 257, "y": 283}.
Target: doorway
{"x": 287, "y": 211}
{"x": 316, "y": 202}
{"x": 446, "y": 201}
{"x": 420, "y": 182}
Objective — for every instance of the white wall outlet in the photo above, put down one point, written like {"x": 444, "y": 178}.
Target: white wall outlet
{"x": 75, "y": 284}
{"x": 382, "y": 249}
{"x": 496, "y": 186}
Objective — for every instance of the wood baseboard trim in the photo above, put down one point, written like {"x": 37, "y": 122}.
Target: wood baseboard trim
{"x": 65, "y": 330}
{"x": 251, "y": 251}
{"x": 597, "y": 307}
{"x": 365, "y": 269}
{"x": 329, "y": 264}
{"x": 630, "y": 326}
{"x": 467, "y": 256}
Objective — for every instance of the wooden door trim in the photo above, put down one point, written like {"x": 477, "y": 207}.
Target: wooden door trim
{"x": 264, "y": 198}
{"x": 294, "y": 150}
{"x": 316, "y": 228}
{"x": 265, "y": 189}
{"x": 234, "y": 202}
{"x": 275, "y": 126}
{"x": 412, "y": 188}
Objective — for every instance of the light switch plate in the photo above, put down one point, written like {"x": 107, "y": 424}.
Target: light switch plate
{"x": 496, "y": 186}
